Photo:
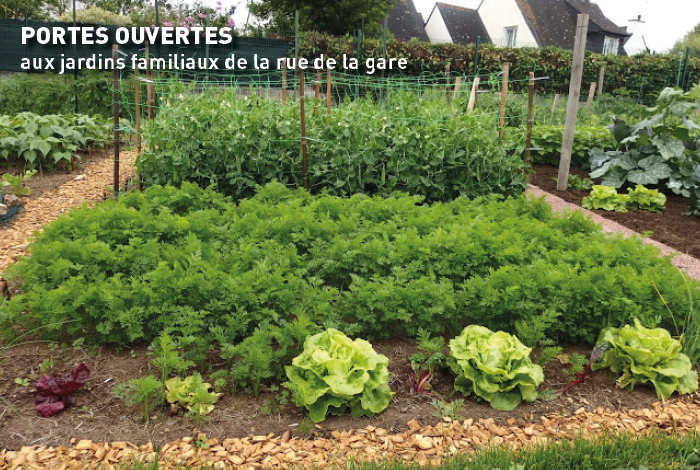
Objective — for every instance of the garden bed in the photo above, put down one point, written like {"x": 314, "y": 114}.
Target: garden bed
{"x": 669, "y": 227}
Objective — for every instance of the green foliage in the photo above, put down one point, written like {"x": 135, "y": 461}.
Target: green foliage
{"x": 548, "y": 354}
{"x": 145, "y": 391}
{"x": 430, "y": 355}
{"x": 580, "y": 184}
{"x": 641, "y": 198}
{"x": 167, "y": 358}
{"x": 416, "y": 145}
{"x": 95, "y": 15}
{"x": 646, "y": 199}
{"x": 453, "y": 409}
{"x": 661, "y": 150}
{"x": 22, "y": 382}
{"x": 690, "y": 40}
{"x": 334, "y": 374}
{"x": 605, "y": 198}
{"x": 18, "y": 183}
{"x": 264, "y": 354}
{"x": 192, "y": 263}
{"x": 495, "y": 367}
{"x": 639, "y": 355}
{"x": 547, "y": 139}
{"x": 49, "y": 139}
{"x": 51, "y": 93}
{"x": 337, "y": 18}
{"x": 46, "y": 365}
{"x": 192, "y": 393}
{"x": 575, "y": 364}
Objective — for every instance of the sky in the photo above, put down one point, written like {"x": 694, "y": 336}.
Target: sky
{"x": 666, "y": 21}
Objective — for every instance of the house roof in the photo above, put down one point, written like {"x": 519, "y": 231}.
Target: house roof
{"x": 553, "y": 22}
{"x": 405, "y": 22}
{"x": 464, "y": 24}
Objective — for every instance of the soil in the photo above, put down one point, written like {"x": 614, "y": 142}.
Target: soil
{"x": 669, "y": 227}
{"x": 101, "y": 417}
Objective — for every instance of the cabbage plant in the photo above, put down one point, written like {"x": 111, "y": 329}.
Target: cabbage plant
{"x": 638, "y": 355}
{"x": 495, "y": 367}
{"x": 335, "y": 374}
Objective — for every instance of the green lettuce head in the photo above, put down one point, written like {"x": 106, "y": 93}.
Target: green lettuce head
{"x": 638, "y": 355}
{"x": 335, "y": 373}
{"x": 495, "y": 367}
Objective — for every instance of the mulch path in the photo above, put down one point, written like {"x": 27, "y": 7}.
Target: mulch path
{"x": 101, "y": 430}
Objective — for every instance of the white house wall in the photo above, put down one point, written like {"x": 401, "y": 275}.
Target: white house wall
{"x": 437, "y": 29}
{"x": 500, "y": 14}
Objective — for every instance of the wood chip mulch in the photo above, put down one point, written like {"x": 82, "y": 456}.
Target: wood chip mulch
{"x": 422, "y": 445}
{"x": 88, "y": 187}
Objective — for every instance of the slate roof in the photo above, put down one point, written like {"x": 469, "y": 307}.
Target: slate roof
{"x": 464, "y": 24}
{"x": 405, "y": 22}
{"x": 553, "y": 22}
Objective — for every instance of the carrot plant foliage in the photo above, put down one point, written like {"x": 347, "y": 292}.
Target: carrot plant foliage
{"x": 191, "y": 262}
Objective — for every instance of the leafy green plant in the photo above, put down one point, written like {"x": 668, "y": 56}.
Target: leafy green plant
{"x": 46, "y": 365}
{"x": 192, "y": 394}
{"x": 335, "y": 374}
{"x": 146, "y": 391}
{"x": 548, "y": 354}
{"x": 638, "y": 355}
{"x": 453, "y": 409}
{"x": 495, "y": 367}
{"x": 22, "y": 382}
{"x": 574, "y": 365}
{"x": 281, "y": 399}
{"x": 430, "y": 353}
{"x": 49, "y": 139}
{"x": 580, "y": 184}
{"x": 18, "y": 183}
{"x": 605, "y": 198}
{"x": 167, "y": 358}
{"x": 646, "y": 199}
{"x": 661, "y": 150}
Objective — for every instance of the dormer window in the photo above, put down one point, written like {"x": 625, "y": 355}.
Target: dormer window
{"x": 611, "y": 45}
{"x": 510, "y": 35}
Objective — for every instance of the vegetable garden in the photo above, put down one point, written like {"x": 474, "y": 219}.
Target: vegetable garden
{"x": 414, "y": 273}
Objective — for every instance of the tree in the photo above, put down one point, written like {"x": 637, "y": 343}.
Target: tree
{"x": 337, "y": 17}
{"x": 33, "y": 9}
{"x": 692, "y": 40}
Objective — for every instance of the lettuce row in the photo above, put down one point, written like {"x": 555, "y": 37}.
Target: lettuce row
{"x": 335, "y": 373}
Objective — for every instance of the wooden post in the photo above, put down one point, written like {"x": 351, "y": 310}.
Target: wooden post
{"x": 591, "y": 95}
{"x": 504, "y": 94}
{"x": 572, "y": 104}
{"x": 284, "y": 81}
{"x": 530, "y": 102}
{"x": 137, "y": 110}
{"x": 150, "y": 88}
{"x": 303, "y": 129}
{"x": 328, "y": 92}
{"x": 458, "y": 84}
{"x": 115, "y": 116}
{"x": 472, "y": 95}
{"x": 318, "y": 91}
{"x": 555, "y": 104}
{"x": 601, "y": 77}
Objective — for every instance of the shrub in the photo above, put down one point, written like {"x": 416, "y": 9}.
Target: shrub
{"x": 495, "y": 367}
{"x": 334, "y": 374}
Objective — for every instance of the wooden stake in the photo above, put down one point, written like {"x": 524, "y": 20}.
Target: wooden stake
{"x": 471, "y": 106}
{"x": 115, "y": 116}
{"x": 458, "y": 84}
{"x": 530, "y": 102}
{"x": 504, "y": 94}
{"x": 318, "y": 91}
{"x": 572, "y": 104}
{"x": 601, "y": 77}
{"x": 591, "y": 95}
{"x": 328, "y": 92}
{"x": 284, "y": 81}
{"x": 303, "y": 130}
{"x": 555, "y": 104}
{"x": 137, "y": 100}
